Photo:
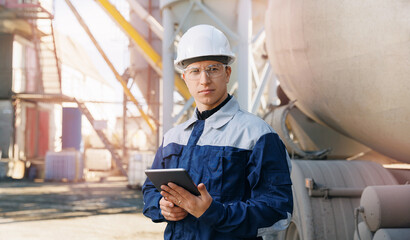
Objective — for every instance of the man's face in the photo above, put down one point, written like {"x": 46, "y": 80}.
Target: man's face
{"x": 207, "y": 82}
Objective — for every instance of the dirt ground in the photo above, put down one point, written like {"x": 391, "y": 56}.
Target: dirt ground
{"x": 86, "y": 210}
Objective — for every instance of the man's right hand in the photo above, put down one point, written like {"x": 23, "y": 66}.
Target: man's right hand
{"x": 170, "y": 211}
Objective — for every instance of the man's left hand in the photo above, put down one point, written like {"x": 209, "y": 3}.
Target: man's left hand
{"x": 195, "y": 205}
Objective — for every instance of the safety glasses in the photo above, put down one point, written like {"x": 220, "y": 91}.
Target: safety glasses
{"x": 212, "y": 71}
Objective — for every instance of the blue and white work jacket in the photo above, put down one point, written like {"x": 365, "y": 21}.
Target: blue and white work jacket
{"x": 244, "y": 166}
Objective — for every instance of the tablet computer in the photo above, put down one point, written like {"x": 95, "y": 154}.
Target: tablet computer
{"x": 178, "y": 176}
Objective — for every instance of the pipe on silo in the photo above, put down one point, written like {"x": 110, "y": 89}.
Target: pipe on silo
{"x": 386, "y": 206}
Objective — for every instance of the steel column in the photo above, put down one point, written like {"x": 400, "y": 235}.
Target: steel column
{"x": 168, "y": 70}
{"x": 244, "y": 47}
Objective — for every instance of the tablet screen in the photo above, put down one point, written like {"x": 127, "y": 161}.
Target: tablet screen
{"x": 178, "y": 176}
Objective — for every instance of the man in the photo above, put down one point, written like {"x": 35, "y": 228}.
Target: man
{"x": 237, "y": 161}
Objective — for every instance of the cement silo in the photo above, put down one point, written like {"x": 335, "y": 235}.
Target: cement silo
{"x": 346, "y": 64}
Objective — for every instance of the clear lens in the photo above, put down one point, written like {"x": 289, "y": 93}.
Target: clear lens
{"x": 212, "y": 71}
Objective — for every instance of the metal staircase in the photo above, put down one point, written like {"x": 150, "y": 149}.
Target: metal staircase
{"x": 41, "y": 20}
{"x": 47, "y": 56}
{"x": 117, "y": 158}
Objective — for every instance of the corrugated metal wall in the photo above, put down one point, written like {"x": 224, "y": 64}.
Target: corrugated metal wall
{"x": 6, "y": 127}
{"x": 71, "y": 137}
{"x": 6, "y": 108}
{"x": 6, "y": 72}
{"x": 36, "y": 132}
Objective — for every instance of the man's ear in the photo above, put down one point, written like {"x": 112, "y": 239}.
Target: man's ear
{"x": 228, "y": 73}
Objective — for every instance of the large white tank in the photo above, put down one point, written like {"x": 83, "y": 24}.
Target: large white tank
{"x": 347, "y": 63}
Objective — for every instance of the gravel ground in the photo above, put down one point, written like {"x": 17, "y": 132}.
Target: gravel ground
{"x": 85, "y": 210}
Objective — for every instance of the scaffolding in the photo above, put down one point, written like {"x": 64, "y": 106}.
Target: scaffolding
{"x": 27, "y": 9}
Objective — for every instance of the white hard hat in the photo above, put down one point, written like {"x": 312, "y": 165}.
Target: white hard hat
{"x": 203, "y": 42}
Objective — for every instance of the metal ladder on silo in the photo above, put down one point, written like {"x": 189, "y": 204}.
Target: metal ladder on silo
{"x": 117, "y": 158}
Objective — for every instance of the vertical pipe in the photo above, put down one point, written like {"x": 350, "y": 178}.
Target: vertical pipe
{"x": 244, "y": 50}
{"x": 124, "y": 127}
{"x": 16, "y": 105}
{"x": 168, "y": 70}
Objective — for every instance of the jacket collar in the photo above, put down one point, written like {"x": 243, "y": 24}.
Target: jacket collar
{"x": 218, "y": 119}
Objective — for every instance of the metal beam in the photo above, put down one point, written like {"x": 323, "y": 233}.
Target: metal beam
{"x": 182, "y": 22}
{"x": 149, "y": 54}
{"x": 111, "y": 66}
{"x": 153, "y": 24}
{"x": 187, "y": 105}
{"x": 266, "y": 76}
{"x": 218, "y": 21}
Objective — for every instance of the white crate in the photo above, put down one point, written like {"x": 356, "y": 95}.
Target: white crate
{"x": 64, "y": 165}
{"x": 98, "y": 159}
{"x": 138, "y": 162}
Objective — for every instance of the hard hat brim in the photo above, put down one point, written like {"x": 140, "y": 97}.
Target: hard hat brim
{"x": 219, "y": 58}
